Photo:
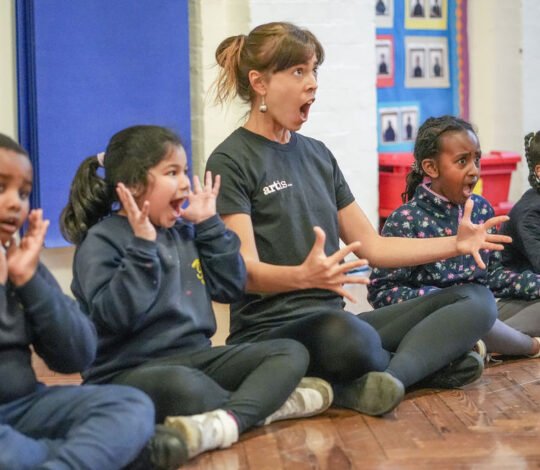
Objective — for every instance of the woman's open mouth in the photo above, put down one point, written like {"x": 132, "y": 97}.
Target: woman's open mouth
{"x": 304, "y": 109}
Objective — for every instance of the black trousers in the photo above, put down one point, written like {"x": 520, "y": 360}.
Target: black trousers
{"x": 410, "y": 340}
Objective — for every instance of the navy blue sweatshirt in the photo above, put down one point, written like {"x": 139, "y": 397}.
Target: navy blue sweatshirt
{"x": 38, "y": 313}
{"x": 150, "y": 299}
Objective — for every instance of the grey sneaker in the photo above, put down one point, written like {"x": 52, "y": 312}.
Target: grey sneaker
{"x": 312, "y": 396}
{"x": 374, "y": 394}
{"x": 462, "y": 371}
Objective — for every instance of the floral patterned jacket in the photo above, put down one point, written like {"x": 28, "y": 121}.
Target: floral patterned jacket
{"x": 430, "y": 215}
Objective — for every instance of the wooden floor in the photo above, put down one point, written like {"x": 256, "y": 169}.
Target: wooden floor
{"x": 491, "y": 424}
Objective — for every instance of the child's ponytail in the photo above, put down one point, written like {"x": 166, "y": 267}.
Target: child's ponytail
{"x": 90, "y": 200}
{"x": 532, "y": 155}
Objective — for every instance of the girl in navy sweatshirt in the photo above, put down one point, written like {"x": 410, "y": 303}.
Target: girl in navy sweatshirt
{"x": 524, "y": 251}
{"x": 69, "y": 427}
{"x": 146, "y": 270}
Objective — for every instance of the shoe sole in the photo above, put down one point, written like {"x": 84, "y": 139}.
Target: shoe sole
{"x": 323, "y": 387}
{"x": 458, "y": 373}
{"x": 374, "y": 394}
{"x": 168, "y": 448}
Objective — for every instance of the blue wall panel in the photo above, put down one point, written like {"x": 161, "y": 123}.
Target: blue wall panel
{"x": 88, "y": 69}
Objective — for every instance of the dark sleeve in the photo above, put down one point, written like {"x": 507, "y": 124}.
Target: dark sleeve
{"x": 118, "y": 288}
{"x": 344, "y": 195}
{"x": 529, "y": 232}
{"x": 234, "y": 194}
{"x": 62, "y": 335}
{"x": 393, "y": 285}
{"x": 223, "y": 266}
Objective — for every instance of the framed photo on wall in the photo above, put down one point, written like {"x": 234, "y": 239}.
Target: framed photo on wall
{"x": 384, "y": 13}
{"x": 385, "y": 62}
{"x": 426, "y": 62}
{"x": 397, "y": 126}
{"x": 389, "y": 126}
{"x": 409, "y": 123}
{"x": 426, "y": 14}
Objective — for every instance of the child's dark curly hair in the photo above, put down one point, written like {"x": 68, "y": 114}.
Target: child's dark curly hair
{"x": 428, "y": 145}
{"x": 532, "y": 154}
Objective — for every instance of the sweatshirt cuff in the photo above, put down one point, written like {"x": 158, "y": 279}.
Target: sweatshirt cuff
{"x": 33, "y": 291}
{"x": 144, "y": 245}
{"x": 209, "y": 225}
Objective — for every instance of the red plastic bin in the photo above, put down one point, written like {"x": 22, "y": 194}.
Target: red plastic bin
{"x": 494, "y": 182}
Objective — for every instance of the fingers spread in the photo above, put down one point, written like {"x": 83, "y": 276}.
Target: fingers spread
{"x": 496, "y": 221}
{"x": 469, "y": 204}
{"x": 478, "y": 260}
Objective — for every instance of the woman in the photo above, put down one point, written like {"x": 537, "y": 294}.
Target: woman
{"x": 285, "y": 197}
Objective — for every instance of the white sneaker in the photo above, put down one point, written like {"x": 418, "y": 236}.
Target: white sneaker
{"x": 205, "y": 431}
{"x": 312, "y": 396}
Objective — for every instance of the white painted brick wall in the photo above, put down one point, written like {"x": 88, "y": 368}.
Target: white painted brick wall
{"x": 501, "y": 81}
{"x": 344, "y": 115}
{"x": 530, "y": 73}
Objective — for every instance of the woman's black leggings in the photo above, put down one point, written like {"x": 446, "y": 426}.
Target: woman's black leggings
{"x": 410, "y": 340}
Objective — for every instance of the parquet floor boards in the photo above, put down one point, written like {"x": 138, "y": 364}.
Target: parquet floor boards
{"x": 491, "y": 424}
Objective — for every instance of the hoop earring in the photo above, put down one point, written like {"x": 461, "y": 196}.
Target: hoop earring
{"x": 263, "y": 108}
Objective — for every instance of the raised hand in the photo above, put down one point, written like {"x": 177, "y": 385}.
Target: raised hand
{"x": 3, "y": 266}
{"x": 22, "y": 260}
{"x": 202, "y": 201}
{"x": 326, "y": 272}
{"x": 471, "y": 238}
{"x": 138, "y": 218}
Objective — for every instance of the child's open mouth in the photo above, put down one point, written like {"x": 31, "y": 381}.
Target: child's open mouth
{"x": 9, "y": 225}
{"x": 468, "y": 189}
{"x": 177, "y": 206}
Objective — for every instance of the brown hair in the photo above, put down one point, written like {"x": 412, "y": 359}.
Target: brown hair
{"x": 268, "y": 48}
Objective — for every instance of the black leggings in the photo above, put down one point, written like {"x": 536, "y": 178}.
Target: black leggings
{"x": 251, "y": 381}
{"x": 410, "y": 340}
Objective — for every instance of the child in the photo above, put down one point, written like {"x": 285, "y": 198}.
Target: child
{"x": 147, "y": 279}
{"x": 56, "y": 427}
{"x": 524, "y": 251}
{"x": 448, "y": 152}
{"x": 285, "y": 196}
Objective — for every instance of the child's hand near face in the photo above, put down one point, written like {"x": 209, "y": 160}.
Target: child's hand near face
{"x": 138, "y": 218}
{"x": 202, "y": 201}
{"x": 22, "y": 260}
{"x": 3, "y": 266}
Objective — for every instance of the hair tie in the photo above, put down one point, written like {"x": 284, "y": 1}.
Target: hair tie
{"x": 416, "y": 168}
{"x": 101, "y": 158}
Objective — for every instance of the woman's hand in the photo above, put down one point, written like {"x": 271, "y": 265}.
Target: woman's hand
{"x": 138, "y": 218}
{"x": 22, "y": 260}
{"x": 326, "y": 272}
{"x": 471, "y": 238}
{"x": 202, "y": 201}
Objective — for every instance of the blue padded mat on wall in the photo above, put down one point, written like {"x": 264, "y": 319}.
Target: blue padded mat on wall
{"x": 87, "y": 69}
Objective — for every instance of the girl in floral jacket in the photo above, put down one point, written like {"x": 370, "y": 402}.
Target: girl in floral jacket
{"x": 447, "y": 152}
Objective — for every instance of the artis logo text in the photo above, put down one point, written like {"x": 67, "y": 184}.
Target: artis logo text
{"x": 275, "y": 186}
